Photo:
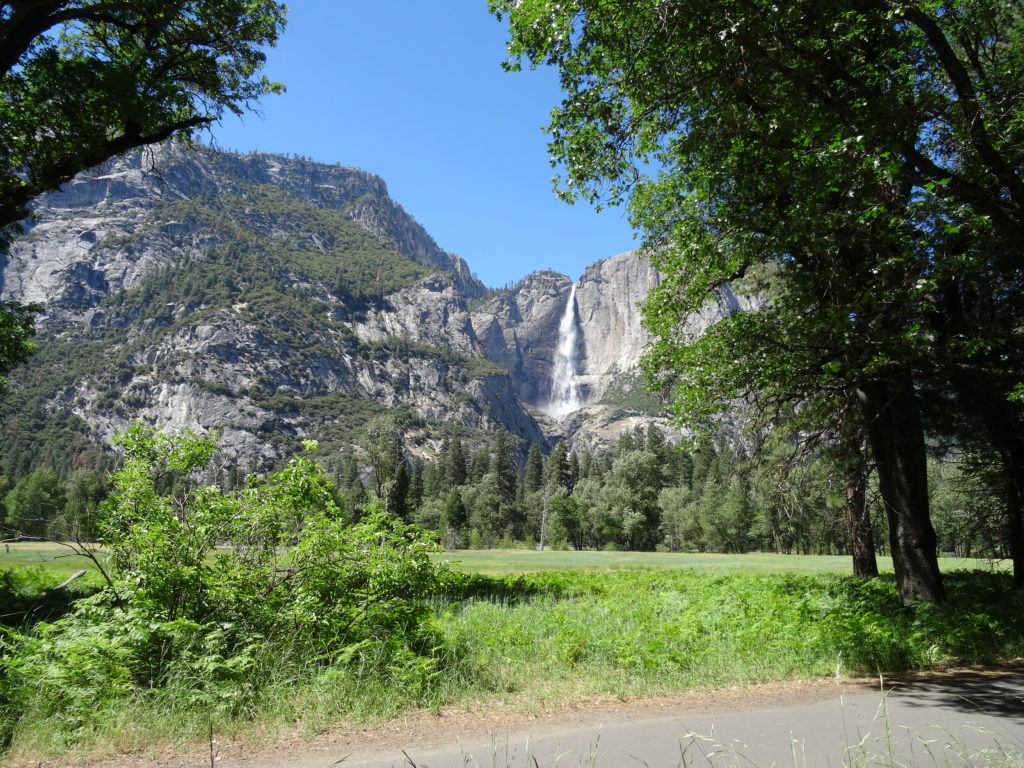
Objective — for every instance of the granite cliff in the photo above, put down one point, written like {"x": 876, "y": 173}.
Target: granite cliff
{"x": 519, "y": 330}
{"x": 273, "y": 298}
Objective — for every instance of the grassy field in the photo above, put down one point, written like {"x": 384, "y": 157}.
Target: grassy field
{"x": 556, "y": 634}
{"x": 62, "y": 562}
{"x": 525, "y": 630}
{"x": 52, "y": 558}
{"x": 505, "y": 561}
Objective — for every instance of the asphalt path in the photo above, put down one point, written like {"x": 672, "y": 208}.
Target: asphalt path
{"x": 968, "y": 719}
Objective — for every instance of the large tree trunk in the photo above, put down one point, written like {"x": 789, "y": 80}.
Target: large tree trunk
{"x": 855, "y": 464}
{"x": 896, "y": 437}
{"x": 1002, "y": 425}
{"x": 1003, "y": 431}
{"x": 862, "y": 540}
{"x": 1015, "y": 524}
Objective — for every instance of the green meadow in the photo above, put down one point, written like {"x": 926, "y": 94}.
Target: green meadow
{"x": 62, "y": 562}
{"x": 506, "y": 561}
{"x": 534, "y": 630}
{"x": 53, "y": 558}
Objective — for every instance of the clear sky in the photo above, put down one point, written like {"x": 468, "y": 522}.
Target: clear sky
{"x": 413, "y": 91}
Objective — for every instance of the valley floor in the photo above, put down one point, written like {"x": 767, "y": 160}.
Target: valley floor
{"x": 556, "y": 653}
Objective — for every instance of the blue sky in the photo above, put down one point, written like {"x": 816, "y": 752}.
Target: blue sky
{"x": 413, "y": 91}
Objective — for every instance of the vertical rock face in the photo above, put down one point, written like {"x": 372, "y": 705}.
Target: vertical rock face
{"x": 273, "y": 298}
{"x": 609, "y": 296}
{"x": 433, "y": 311}
{"x": 95, "y": 231}
{"x": 519, "y": 331}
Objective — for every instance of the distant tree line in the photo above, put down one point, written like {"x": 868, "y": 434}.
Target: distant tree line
{"x": 645, "y": 494}
{"x": 40, "y": 504}
{"x": 739, "y": 495}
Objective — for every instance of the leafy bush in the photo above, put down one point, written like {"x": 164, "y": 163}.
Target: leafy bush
{"x": 213, "y": 593}
{"x": 27, "y": 596}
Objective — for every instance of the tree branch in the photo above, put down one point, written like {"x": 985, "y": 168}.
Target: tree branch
{"x": 16, "y": 197}
{"x": 968, "y": 101}
{"x": 35, "y": 19}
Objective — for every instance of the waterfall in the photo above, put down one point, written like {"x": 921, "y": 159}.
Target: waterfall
{"x": 565, "y": 389}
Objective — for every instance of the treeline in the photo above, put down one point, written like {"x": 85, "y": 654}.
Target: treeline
{"x": 647, "y": 494}
{"x": 41, "y": 505}
{"x": 644, "y": 494}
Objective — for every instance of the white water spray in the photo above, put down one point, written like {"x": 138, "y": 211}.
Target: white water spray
{"x": 565, "y": 389}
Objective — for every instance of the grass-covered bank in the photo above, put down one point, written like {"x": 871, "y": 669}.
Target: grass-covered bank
{"x": 645, "y": 633}
{"x": 536, "y": 639}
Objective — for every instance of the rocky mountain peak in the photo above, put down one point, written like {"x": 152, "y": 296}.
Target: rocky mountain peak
{"x": 272, "y": 298}
{"x": 83, "y": 240}
{"x": 518, "y": 330}
{"x": 608, "y": 298}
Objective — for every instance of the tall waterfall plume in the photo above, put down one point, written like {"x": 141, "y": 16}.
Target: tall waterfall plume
{"x": 565, "y": 388}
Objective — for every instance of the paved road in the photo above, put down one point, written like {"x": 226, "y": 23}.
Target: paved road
{"x": 970, "y": 719}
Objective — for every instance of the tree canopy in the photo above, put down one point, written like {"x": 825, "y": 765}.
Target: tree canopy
{"x": 16, "y": 332}
{"x": 859, "y": 162}
{"x": 85, "y": 80}
{"x": 82, "y": 81}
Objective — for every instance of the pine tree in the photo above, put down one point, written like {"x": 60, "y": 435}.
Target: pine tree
{"x": 503, "y": 465}
{"x": 416, "y": 484}
{"x": 397, "y": 496}
{"x": 533, "y": 478}
{"x": 434, "y": 479}
{"x": 558, "y": 467}
{"x": 586, "y": 463}
{"x": 350, "y": 472}
{"x": 454, "y": 519}
{"x": 456, "y": 463}
{"x": 479, "y": 464}
{"x": 573, "y": 474}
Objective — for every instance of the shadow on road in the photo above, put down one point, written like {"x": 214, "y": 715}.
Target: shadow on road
{"x": 992, "y": 693}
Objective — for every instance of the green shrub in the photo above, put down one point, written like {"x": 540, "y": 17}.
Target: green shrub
{"x": 215, "y": 593}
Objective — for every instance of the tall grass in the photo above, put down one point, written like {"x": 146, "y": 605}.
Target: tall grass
{"x": 280, "y": 694}
{"x": 645, "y": 633}
{"x": 542, "y": 639}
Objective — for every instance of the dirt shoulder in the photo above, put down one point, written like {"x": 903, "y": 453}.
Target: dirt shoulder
{"x": 426, "y": 731}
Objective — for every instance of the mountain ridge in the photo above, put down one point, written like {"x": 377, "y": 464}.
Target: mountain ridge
{"x": 274, "y": 298}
